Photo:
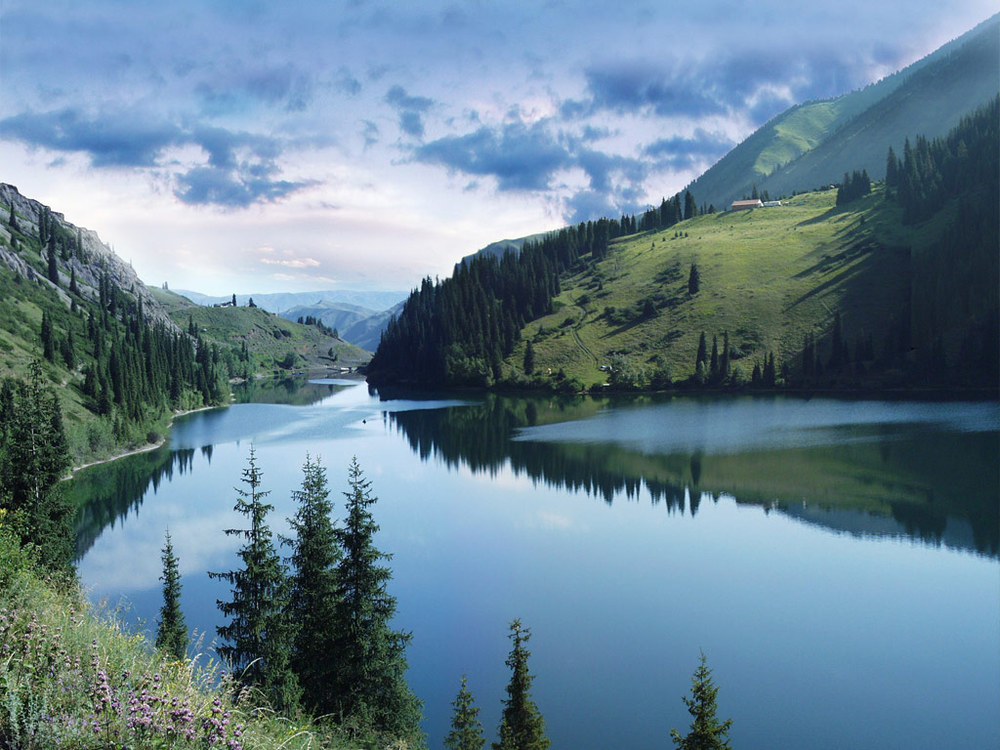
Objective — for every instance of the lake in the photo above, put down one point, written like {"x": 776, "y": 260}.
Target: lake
{"x": 836, "y": 560}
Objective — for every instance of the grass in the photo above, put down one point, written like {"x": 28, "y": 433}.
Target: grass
{"x": 71, "y": 677}
{"x": 269, "y": 337}
{"x": 768, "y": 277}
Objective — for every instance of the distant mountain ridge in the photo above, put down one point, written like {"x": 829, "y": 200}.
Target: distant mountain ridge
{"x": 279, "y": 302}
{"x": 358, "y": 316}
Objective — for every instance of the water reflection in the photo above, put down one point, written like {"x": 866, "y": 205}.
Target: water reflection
{"x": 923, "y": 471}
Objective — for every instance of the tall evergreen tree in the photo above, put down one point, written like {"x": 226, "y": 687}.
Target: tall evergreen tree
{"x": 707, "y": 732}
{"x": 702, "y": 356}
{"x": 370, "y": 685}
{"x": 257, "y": 636}
{"x": 694, "y": 279}
{"x": 34, "y": 455}
{"x": 313, "y": 599}
{"x": 724, "y": 361}
{"x": 466, "y": 731}
{"x": 529, "y": 358}
{"x": 171, "y": 632}
{"x": 521, "y": 726}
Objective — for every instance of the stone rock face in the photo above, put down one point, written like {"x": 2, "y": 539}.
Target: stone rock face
{"x": 94, "y": 259}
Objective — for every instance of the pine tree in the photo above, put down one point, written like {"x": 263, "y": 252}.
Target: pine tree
{"x": 707, "y": 732}
{"x": 53, "y": 270}
{"x": 702, "y": 356}
{"x": 34, "y": 455}
{"x": 370, "y": 686}
{"x": 171, "y": 632}
{"x": 529, "y": 359}
{"x": 12, "y": 220}
{"x": 466, "y": 731}
{"x": 724, "y": 361}
{"x": 521, "y": 726}
{"x": 313, "y": 599}
{"x": 257, "y": 637}
{"x": 694, "y": 279}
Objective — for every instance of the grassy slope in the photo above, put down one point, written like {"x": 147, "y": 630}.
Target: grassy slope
{"x": 73, "y": 677}
{"x": 23, "y": 302}
{"x": 269, "y": 337}
{"x": 768, "y": 277}
{"x": 814, "y": 143}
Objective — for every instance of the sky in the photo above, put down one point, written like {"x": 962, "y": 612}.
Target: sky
{"x": 241, "y": 146}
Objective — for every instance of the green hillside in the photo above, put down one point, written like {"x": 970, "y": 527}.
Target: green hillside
{"x": 274, "y": 343}
{"x": 769, "y": 277}
{"x": 812, "y": 144}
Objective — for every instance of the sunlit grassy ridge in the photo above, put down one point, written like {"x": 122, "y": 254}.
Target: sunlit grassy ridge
{"x": 768, "y": 277}
{"x": 268, "y": 337}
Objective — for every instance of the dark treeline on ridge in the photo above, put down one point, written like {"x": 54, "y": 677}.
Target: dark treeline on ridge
{"x": 936, "y": 232}
{"x": 459, "y": 331}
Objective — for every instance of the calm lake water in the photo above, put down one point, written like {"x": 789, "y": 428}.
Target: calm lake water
{"x": 836, "y": 560}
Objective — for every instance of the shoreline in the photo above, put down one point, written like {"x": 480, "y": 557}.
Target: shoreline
{"x": 146, "y": 448}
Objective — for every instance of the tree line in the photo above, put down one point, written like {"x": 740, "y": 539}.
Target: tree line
{"x": 459, "y": 331}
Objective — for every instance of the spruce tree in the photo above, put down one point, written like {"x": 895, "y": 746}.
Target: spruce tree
{"x": 707, "y": 732}
{"x": 258, "y": 640}
{"x": 370, "y": 686}
{"x": 521, "y": 726}
{"x": 694, "y": 279}
{"x": 702, "y": 356}
{"x": 313, "y": 598}
{"x": 171, "y": 632}
{"x": 466, "y": 731}
{"x": 529, "y": 358}
{"x": 34, "y": 455}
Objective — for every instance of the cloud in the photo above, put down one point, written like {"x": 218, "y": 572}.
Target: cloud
{"x": 641, "y": 86}
{"x": 411, "y": 110}
{"x": 291, "y": 263}
{"x": 238, "y": 187}
{"x": 370, "y": 133}
{"x": 682, "y": 153}
{"x": 121, "y": 141}
{"x": 239, "y": 172}
{"x": 519, "y": 156}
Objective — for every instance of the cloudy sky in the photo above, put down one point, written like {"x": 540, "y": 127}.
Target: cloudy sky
{"x": 236, "y": 145}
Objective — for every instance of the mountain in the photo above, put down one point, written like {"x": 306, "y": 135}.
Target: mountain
{"x": 121, "y": 357}
{"x": 813, "y": 144}
{"x": 367, "y": 332}
{"x": 500, "y": 247}
{"x": 871, "y": 287}
{"x": 275, "y": 345}
{"x": 359, "y": 317}
{"x": 280, "y": 302}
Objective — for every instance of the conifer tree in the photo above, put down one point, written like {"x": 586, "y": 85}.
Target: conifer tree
{"x": 53, "y": 270}
{"x": 529, "y": 359}
{"x": 257, "y": 636}
{"x": 521, "y": 726}
{"x": 313, "y": 598}
{"x": 702, "y": 355}
{"x": 370, "y": 686}
{"x": 34, "y": 455}
{"x": 724, "y": 361}
{"x": 171, "y": 632}
{"x": 12, "y": 220}
{"x": 466, "y": 731}
{"x": 694, "y": 279}
{"x": 707, "y": 732}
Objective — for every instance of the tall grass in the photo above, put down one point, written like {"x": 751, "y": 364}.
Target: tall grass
{"x": 72, "y": 677}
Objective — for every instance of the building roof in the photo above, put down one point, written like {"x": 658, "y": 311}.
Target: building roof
{"x": 747, "y": 204}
